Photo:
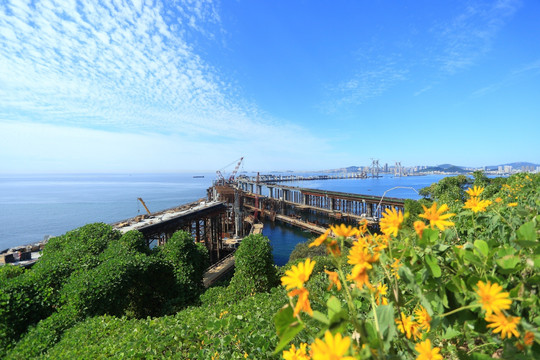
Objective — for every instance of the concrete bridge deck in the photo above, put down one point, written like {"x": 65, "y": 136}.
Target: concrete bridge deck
{"x": 218, "y": 270}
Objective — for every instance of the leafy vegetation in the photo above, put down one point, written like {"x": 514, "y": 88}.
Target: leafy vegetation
{"x": 254, "y": 267}
{"x": 447, "y": 280}
{"x": 92, "y": 271}
{"x": 462, "y": 282}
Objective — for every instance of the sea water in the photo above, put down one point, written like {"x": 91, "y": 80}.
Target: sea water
{"x": 33, "y": 206}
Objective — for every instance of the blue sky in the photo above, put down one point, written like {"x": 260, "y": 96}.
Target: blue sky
{"x": 167, "y": 86}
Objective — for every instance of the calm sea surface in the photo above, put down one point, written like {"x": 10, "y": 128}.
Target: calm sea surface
{"x": 32, "y": 206}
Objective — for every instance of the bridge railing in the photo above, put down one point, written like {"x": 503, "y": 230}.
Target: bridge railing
{"x": 213, "y": 266}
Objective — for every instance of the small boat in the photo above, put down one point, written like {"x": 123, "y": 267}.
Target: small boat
{"x": 198, "y": 176}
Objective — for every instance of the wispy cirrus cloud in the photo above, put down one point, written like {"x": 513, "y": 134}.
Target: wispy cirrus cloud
{"x": 465, "y": 38}
{"x": 126, "y": 67}
{"x": 117, "y": 65}
{"x": 431, "y": 51}
{"x": 366, "y": 83}
{"x": 528, "y": 71}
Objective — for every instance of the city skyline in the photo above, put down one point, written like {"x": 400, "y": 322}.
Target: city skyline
{"x": 156, "y": 86}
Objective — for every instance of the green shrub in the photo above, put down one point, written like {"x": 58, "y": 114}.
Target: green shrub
{"x": 8, "y": 272}
{"x": 189, "y": 261}
{"x": 134, "y": 240}
{"x": 254, "y": 267}
{"x": 44, "y": 335}
{"x": 77, "y": 249}
{"x": 302, "y": 251}
{"x": 23, "y": 301}
{"x": 231, "y": 331}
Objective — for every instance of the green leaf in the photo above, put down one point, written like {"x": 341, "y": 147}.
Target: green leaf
{"x": 429, "y": 236}
{"x": 385, "y": 316}
{"x": 287, "y": 327}
{"x": 440, "y": 248}
{"x": 508, "y": 262}
{"x": 450, "y": 333}
{"x": 317, "y": 315}
{"x": 373, "y": 338}
{"x": 480, "y": 356}
{"x": 336, "y": 314}
{"x": 527, "y": 231}
{"x": 527, "y": 243}
{"x": 334, "y": 307}
{"x": 433, "y": 266}
{"x": 473, "y": 259}
{"x": 482, "y": 247}
{"x": 537, "y": 261}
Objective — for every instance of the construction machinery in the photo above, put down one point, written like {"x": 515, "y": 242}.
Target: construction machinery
{"x": 143, "y": 204}
{"x": 221, "y": 179}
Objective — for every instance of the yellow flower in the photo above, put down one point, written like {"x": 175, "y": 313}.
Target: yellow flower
{"x": 333, "y": 248}
{"x": 362, "y": 227}
{"x": 528, "y": 338}
{"x": 334, "y": 279}
{"x": 426, "y": 352}
{"x": 296, "y": 354}
{"x": 491, "y": 297}
{"x": 343, "y": 230}
{"x": 498, "y": 200}
{"x": 512, "y": 204}
{"x": 475, "y": 191}
{"x": 303, "y": 301}
{"x": 422, "y": 318}
{"x": 361, "y": 257}
{"x": 332, "y": 348}
{"x": 395, "y": 268}
{"x": 245, "y": 355}
{"x": 391, "y": 221}
{"x": 419, "y": 227}
{"x": 436, "y": 216}
{"x": 318, "y": 241}
{"x": 223, "y": 313}
{"x": 505, "y": 325}
{"x": 298, "y": 275}
{"x": 361, "y": 277}
{"x": 407, "y": 326}
{"x": 380, "y": 291}
{"x": 477, "y": 205}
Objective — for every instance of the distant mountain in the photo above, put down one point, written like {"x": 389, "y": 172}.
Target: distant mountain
{"x": 341, "y": 170}
{"x": 449, "y": 168}
{"x": 515, "y": 165}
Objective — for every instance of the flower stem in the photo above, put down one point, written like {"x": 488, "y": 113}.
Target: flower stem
{"x": 472, "y": 306}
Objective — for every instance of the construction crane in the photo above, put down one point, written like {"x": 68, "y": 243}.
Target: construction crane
{"x": 256, "y": 213}
{"x": 221, "y": 179}
{"x": 143, "y": 204}
{"x": 233, "y": 174}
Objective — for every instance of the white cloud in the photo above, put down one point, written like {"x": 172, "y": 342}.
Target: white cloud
{"x": 526, "y": 71}
{"x": 446, "y": 46}
{"x": 119, "y": 66}
{"x": 465, "y": 38}
{"x": 29, "y": 148}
